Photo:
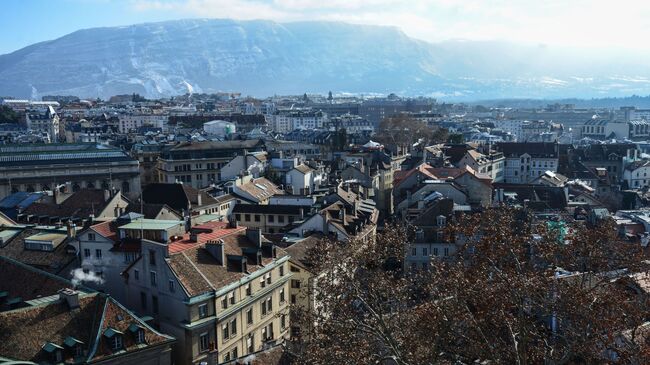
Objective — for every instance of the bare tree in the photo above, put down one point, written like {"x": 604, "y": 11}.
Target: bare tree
{"x": 519, "y": 291}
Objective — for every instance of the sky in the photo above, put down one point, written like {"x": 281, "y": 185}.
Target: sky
{"x": 582, "y": 23}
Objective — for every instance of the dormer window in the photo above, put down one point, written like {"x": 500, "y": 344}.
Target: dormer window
{"x": 442, "y": 220}
{"x": 138, "y": 333}
{"x": 116, "y": 343}
{"x": 114, "y": 338}
{"x": 75, "y": 346}
{"x": 54, "y": 351}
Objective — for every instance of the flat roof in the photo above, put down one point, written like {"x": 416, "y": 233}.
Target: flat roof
{"x": 152, "y": 224}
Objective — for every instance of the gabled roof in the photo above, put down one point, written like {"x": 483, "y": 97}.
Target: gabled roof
{"x": 80, "y": 204}
{"x": 107, "y": 230}
{"x": 200, "y": 272}
{"x": 26, "y": 331}
{"x": 58, "y": 261}
{"x": 260, "y": 188}
{"x": 176, "y": 196}
{"x": 28, "y": 283}
{"x": 424, "y": 169}
{"x": 304, "y": 169}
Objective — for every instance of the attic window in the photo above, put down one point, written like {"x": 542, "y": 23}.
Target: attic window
{"x": 138, "y": 332}
{"x": 115, "y": 338}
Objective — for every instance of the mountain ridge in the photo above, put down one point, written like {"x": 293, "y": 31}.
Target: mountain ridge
{"x": 262, "y": 57}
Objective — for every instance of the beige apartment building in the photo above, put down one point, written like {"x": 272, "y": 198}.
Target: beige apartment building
{"x": 225, "y": 291}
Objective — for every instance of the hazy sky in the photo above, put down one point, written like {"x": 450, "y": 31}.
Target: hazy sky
{"x": 591, "y": 23}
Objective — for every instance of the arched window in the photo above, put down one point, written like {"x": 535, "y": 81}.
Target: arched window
{"x": 125, "y": 187}
{"x": 90, "y": 185}
{"x": 76, "y": 187}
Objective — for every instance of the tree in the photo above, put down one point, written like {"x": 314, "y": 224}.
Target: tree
{"x": 8, "y": 115}
{"x": 520, "y": 291}
{"x": 404, "y": 131}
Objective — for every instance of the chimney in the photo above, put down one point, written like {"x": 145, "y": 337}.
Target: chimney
{"x": 255, "y": 235}
{"x": 72, "y": 229}
{"x": 194, "y": 237}
{"x": 216, "y": 249}
{"x": 232, "y": 222}
{"x": 326, "y": 224}
{"x": 71, "y": 297}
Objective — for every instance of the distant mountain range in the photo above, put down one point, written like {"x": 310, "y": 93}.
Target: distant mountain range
{"x": 262, "y": 58}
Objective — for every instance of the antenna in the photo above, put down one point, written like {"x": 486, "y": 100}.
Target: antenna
{"x": 141, "y": 218}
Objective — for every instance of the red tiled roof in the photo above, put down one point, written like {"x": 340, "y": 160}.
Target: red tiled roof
{"x": 219, "y": 230}
{"x": 107, "y": 230}
{"x": 424, "y": 169}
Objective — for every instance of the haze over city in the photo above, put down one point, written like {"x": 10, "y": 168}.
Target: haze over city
{"x": 354, "y": 182}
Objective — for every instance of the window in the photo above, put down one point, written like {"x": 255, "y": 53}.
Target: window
{"x": 116, "y": 342}
{"x": 283, "y": 322}
{"x": 414, "y": 251}
{"x": 294, "y": 269}
{"x": 281, "y": 269}
{"x": 280, "y": 219}
{"x": 154, "y": 304}
{"x": 262, "y": 282}
{"x": 204, "y": 342}
{"x": 98, "y": 254}
{"x": 271, "y": 218}
{"x": 225, "y": 333}
{"x": 238, "y": 217}
{"x": 129, "y": 257}
{"x": 435, "y": 251}
{"x": 143, "y": 300}
{"x": 234, "y": 353}
{"x": 233, "y": 327}
{"x": 446, "y": 251}
{"x": 203, "y": 310}
{"x": 91, "y": 237}
{"x": 263, "y": 307}
{"x": 171, "y": 286}
{"x": 136, "y": 274}
{"x": 247, "y": 217}
{"x": 231, "y": 297}
{"x": 224, "y": 302}
{"x": 424, "y": 251}
{"x": 268, "y": 278}
{"x": 250, "y": 341}
{"x": 295, "y": 284}
{"x": 152, "y": 257}
{"x": 293, "y": 299}
{"x": 87, "y": 253}
{"x": 139, "y": 337}
{"x": 154, "y": 279}
{"x": 269, "y": 304}
{"x": 257, "y": 217}
{"x": 282, "y": 295}
{"x": 226, "y": 357}
{"x": 249, "y": 290}
{"x": 249, "y": 316}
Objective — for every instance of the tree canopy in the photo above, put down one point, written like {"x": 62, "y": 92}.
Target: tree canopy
{"x": 519, "y": 292}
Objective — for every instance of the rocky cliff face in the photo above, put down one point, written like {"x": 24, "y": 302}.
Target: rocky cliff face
{"x": 263, "y": 58}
